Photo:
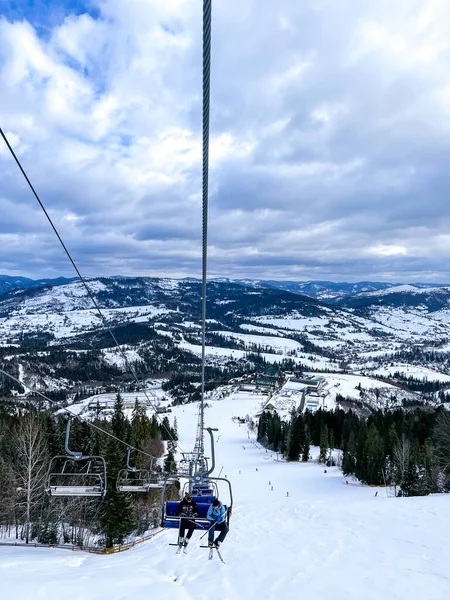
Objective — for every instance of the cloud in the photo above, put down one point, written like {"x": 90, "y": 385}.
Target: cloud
{"x": 329, "y": 138}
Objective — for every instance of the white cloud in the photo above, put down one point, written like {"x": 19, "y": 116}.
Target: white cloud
{"x": 329, "y": 137}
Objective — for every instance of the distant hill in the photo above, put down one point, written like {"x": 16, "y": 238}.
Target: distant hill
{"x": 9, "y": 283}
{"x": 430, "y": 299}
{"x": 326, "y": 291}
{"x": 224, "y": 298}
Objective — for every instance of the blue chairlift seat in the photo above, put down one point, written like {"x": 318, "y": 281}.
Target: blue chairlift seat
{"x": 170, "y": 518}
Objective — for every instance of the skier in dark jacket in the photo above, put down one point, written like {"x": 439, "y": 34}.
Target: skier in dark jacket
{"x": 187, "y": 508}
{"x": 216, "y": 515}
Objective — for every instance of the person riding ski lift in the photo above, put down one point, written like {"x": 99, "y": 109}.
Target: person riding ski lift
{"x": 216, "y": 515}
{"x": 187, "y": 510}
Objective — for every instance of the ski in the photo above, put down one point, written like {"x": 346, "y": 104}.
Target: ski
{"x": 179, "y": 548}
{"x": 220, "y": 556}
{"x": 211, "y": 552}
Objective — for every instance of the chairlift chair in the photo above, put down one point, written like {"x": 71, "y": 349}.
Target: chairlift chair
{"x": 132, "y": 479}
{"x": 80, "y": 475}
{"x": 170, "y": 519}
{"x": 204, "y": 489}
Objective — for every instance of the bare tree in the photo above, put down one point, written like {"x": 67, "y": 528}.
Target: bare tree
{"x": 31, "y": 466}
{"x": 7, "y": 497}
{"x": 442, "y": 441}
{"x": 402, "y": 457}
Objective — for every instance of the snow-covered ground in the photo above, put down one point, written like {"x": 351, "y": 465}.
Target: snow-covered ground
{"x": 63, "y": 322}
{"x": 416, "y": 371}
{"x": 289, "y": 395}
{"x": 315, "y": 361}
{"x": 325, "y": 540}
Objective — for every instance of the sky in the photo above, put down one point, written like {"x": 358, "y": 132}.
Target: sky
{"x": 330, "y": 138}
{"x": 293, "y": 528}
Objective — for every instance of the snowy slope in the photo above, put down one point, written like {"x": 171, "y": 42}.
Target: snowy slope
{"x": 326, "y": 540}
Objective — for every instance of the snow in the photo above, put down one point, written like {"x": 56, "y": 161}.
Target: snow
{"x": 66, "y": 322}
{"x": 279, "y": 344}
{"x": 289, "y": 395}
{"x": 416, "y": 371}
{"x": 326, "y": 540}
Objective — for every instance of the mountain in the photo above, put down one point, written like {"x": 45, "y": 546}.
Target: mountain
{"x": 332, "y": 292}
{"x": 428, "y": 299}
{"x": 8, "y": 283}
{"x": 224, "y": 298}
{"x": 326, "y": 291}
{"x": 355, "y": 322}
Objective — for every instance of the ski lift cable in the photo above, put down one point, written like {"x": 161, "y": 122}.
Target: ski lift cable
{"x": 199, "y": 442}
{"x": 206, "y": 105}
{"x": 83, "y": 281}
{"x": 72, "y": 414}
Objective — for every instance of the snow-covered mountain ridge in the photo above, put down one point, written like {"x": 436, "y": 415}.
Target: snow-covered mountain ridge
{"x": 149, "y": 314}
{"x": 328, "y": 291}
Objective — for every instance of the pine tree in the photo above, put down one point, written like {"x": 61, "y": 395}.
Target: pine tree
{"x": 306, "y": 445}
{"x": 170, "y": 465}
{"x": 323, "y": 444}
{"x": 262, "y": 427}
{"x": 348, "y": 459}
{"x": 375, "y": 457}
{"x": 140, "y": 431}
{"x": 119, "y": 424}
{"x": 410, "y": 481}
{"x": 117, "y": 510}
{"x": 154, "y": 428}
{"x": 166, "y": 430}
{"x": 296, "y": 437}
{"x": 360, "y": 452}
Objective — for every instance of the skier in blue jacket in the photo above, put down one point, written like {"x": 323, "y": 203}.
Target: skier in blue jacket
{"x": 216, "y": 515}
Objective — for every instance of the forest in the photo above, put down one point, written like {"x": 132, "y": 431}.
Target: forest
{"x": 406, "y": 449}
{"x": 28, "y": 441}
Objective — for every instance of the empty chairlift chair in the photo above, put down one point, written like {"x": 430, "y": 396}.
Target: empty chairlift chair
{"x": 132, "y": 479}
{"x": 76, "y": 474}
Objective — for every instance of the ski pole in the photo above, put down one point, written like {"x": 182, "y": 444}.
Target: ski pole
{"x": 214, "y": 524}
{"x": 207, "y": 531}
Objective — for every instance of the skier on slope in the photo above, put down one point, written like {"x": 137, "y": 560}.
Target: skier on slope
{"x": 187, "y": 508}
{"x": 216, "y": 516}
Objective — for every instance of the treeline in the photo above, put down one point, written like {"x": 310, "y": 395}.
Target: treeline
{"x": 419, "y": 356}
{"x": 408, "y": 449}
{"x": 419, "y": 385}
{"x": 28, "y": 441}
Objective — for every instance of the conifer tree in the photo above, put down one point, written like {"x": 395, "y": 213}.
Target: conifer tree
{"x": 140, "y": 431}
{"x": 117, "y": 509}
{"x": 306, "y": 445}
{"x": 166, "y": 430}
{"x": 262, "y": 426}
{"x": 323, "y": 444}
{"x": 375, "y": 457}
{"x": 154, "y": 428}
{"x": 348, "y": 459}
{"x": 170, "y": 465}
{"x": 360, "y": 452}
{"x": 296, "y": 437}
